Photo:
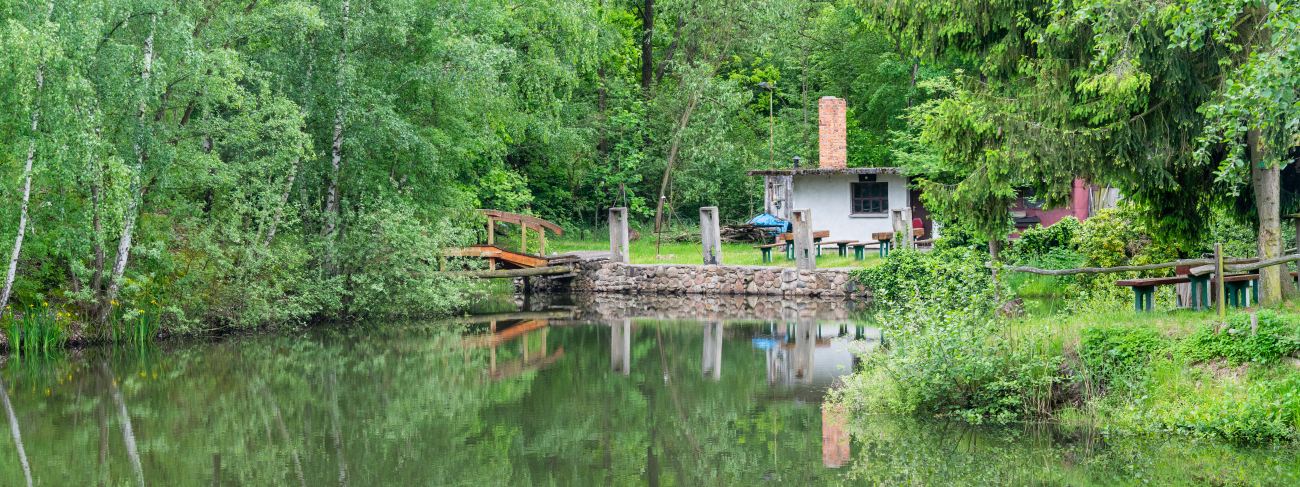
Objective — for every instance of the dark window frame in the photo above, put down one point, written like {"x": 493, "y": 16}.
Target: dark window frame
{"x": 877, "y": 197}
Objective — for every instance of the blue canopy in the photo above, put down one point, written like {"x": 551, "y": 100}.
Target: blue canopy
{"x": 782, "y": 226}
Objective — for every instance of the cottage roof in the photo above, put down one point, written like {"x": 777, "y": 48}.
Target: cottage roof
{"x": 826, "y": 171}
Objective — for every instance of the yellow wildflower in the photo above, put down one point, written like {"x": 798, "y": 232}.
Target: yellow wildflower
{"x": 43, "y": 303}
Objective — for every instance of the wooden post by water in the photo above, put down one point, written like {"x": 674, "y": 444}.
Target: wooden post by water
{"x": 1218, "y": 276}
{"x": 541, "y": 240}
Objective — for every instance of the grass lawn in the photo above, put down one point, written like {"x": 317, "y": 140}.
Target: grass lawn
{"x": 643, "y": 252}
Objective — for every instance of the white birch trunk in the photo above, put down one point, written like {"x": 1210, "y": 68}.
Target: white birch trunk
{"x": 128, "y": 227}
{"x": 27, "y": 192}
{"x": 332, "y": 195}
{"x": 284, "y": 200}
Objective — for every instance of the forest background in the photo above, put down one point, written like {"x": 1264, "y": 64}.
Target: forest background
{"x": 236, "y": 163}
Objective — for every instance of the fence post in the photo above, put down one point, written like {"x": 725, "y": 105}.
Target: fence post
{"x": 710, "y": 235}
{"x": 805, "y": 257}
{"x": 618, "y": 235}
{"x": 1218, "y": 277}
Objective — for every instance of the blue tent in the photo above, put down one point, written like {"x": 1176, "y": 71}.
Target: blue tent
{"x": 766, "y": 219}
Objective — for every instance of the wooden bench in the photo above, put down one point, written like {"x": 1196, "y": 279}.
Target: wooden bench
{"x": 767, "y": 250}
{"x": 886, "y": 240}
{"x": 1234, "y": 285}
{"x": 818, "y": 235}
{"x": 859, "y": 249}
{"x": 842, "y": 246}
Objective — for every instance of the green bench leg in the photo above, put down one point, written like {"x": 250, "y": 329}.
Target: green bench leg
{"x": 1200, "y": 296}
{"x": 1143, "y": 298}
{"x": 767, "y": 255}
{"x": 844, "y": 249}
{"x": 789, "y": 251}
{"x": 858, "y": 253}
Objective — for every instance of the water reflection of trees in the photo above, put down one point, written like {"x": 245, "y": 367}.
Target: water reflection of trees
{"x": 415, "y": 406}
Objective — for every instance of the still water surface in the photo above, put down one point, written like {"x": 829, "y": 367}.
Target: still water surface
{"x": 571, "y": 392}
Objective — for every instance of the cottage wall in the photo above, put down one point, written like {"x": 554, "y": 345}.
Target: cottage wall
{"x": 831, "y": 201}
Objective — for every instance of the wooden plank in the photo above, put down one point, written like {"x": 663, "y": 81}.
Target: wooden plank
{"x": 504, "y": 256}
{"x": 517, "y": 219}
{"x": 513, "y": 273}
{"x": 1152, "y": 281}
{"x": 816, "y": 234}
{"x": 883, "y": 235}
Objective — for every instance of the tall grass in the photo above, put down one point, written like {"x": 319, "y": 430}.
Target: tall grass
{"x": 133, "y": 325}
{"x": 38, "y": 329}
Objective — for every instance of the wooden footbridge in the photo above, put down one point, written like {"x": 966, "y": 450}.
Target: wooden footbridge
{"x": 504, "y": 263}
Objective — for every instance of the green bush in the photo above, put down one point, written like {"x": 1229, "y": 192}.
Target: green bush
{"x": 1116, "y": 355}
{"x": 955, "y": 276}
{"x": 940, "y": 360}
{"x": 1274, "y": 338}
{"x": 1268, "y": 411}
{"x": 1039, "y": 241}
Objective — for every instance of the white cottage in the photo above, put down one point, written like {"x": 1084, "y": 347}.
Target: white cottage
{"x": 851, "y": 203}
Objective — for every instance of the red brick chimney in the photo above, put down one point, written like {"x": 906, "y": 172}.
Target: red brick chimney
{"x": 833, "y": 148}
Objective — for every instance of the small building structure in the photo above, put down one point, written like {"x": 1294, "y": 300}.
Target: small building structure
{"x": 854, "y": 202}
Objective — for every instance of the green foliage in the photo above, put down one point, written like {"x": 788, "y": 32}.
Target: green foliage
{"x": 949, "y": 357}
{"x": 39, "y": 329}
{"x": 1116, "y": 237}
{"x": 1267, "y": 411}
{"x": 1116, "y": 355}
{"x": 1039, "y": 241}
{"x": 505, "y": 190}
{"x": 1274, "y": 337}
{"x": 954, "y": 276}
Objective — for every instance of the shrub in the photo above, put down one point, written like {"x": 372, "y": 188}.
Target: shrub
{"x": 1039, "y": 241}
{"x": 955, "y": 276}
{"x": 946, "y": 361}
{"x": 1274, "y": 338}
{"x": 1264, "y": 412}
{"x": 1116, "y": 355}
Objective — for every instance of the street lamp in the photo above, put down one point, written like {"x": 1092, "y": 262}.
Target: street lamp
{"x": 796, "y": 161}
{"x": 771, "y": 127}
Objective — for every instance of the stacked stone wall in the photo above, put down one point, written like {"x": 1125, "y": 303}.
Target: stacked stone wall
{"x": 603, "y": 275}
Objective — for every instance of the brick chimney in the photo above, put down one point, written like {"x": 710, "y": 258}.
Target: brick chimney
{"x": 833, "y": 148}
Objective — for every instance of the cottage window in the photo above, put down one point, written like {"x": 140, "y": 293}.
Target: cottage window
{"x": 870, "y": 197}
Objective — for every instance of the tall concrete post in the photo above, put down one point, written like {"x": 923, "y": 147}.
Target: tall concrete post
{"x": 901, "y": 220}
{"x": 712, "y": 367}
{"x": 620, "y": 347}
{"x": 618, "y": 244}
{"x": 805, "y": 255}
{"x": 710, "y": 235}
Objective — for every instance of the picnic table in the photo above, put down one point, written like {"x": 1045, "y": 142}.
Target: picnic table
{"x": 842, "y": 246}
{"x": 818, "y": 235}
{"x": 1234, "y": 286}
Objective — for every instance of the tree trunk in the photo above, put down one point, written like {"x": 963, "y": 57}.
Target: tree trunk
{"x": 672, "y": 47}
{"x": 128, "y": 227}
{"x": 672, "y": 153}
{"x": 27, "y": 192}
{"x": 1268, "y": 202}
{"x": 284, "y": 200}
{"x": 332, "y": 194}
{"x": 647, "y": 44}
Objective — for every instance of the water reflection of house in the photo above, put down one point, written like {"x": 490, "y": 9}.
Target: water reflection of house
{"x": 528, "y": 335}
{"x": 807, "y": 353}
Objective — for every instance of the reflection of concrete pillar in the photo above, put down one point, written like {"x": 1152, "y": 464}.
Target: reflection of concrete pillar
{"x": 805, "y": 255}
{"x": 804, "y": 343}
{"x": 712, "y": 367}
{"x": 835, "y": 444}
{"x": 710, "y": 235}
{"x": 618, "y": 244}
{"x": 620, "y": 347}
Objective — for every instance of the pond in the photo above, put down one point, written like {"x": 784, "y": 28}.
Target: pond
{"x": 573, "y": 390}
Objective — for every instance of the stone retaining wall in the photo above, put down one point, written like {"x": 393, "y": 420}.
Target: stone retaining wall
{"x": 604, "y": 275}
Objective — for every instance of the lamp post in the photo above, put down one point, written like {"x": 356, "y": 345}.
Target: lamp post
{"x": 796, "y": 161}
{"x": 771, "y": 127}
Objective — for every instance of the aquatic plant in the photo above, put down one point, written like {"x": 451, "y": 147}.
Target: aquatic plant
{"x": 35, "y": 329}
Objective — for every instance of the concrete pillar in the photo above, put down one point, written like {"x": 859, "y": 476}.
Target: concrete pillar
{"x": 901, "y": 220}
{"x": 620, "y": 347}
{"x": 618, "y": 244}
{"x": 712, "y": 367}
{"x": 710, "y": 235}
{"x": 805, "y": 255}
